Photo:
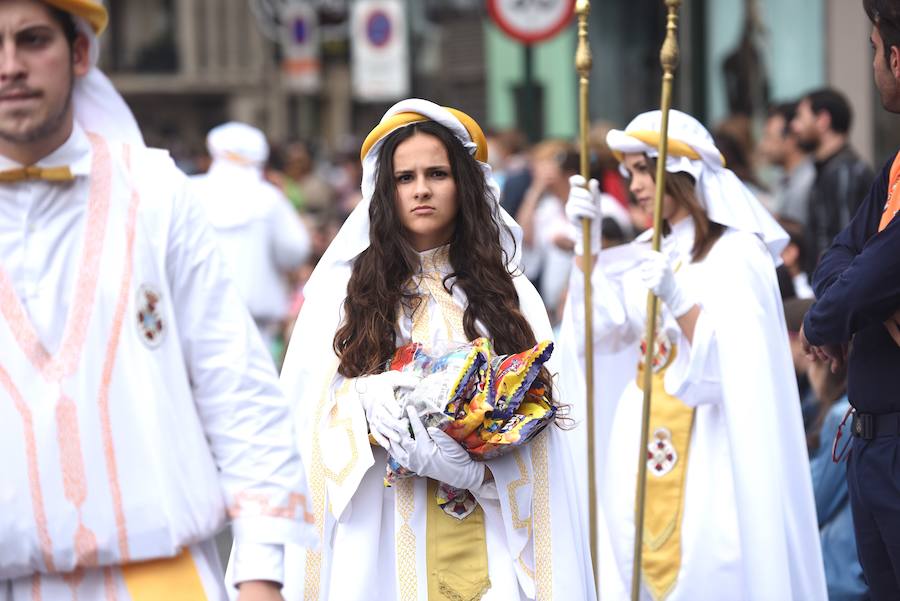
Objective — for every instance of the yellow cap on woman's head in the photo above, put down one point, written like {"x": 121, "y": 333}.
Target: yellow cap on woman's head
{"x": 401, "y": 119}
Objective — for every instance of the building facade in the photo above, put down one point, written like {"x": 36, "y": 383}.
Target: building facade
{"x": 187, "y": 65}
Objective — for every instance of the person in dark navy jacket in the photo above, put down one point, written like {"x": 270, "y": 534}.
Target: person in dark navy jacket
{"x": 856, "y": 320}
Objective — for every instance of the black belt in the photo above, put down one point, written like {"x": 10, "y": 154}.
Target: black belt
{"x": 874, "y": 425}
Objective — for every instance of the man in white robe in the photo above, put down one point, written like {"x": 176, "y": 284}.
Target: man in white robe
{"x": 258, "y": 231}
{"x": 138, "y": 407}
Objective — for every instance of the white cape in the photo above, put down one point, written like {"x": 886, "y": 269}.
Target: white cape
{"x": 749, "y": 411}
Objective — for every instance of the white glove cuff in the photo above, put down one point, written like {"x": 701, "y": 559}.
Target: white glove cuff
{"x": 476, "y": 477}
{"x": 487, "y": 491}
{"x": 371, "y": 390}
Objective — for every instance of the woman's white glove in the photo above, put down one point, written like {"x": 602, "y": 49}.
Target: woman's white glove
{"x": 378, "y": 397}
{"x": 584, "y": 203}
{"x": 432, "y": 453}
{"x": 658, "y": 276}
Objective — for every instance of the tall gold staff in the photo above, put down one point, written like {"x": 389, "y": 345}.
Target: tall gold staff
{"x": 668, "y": 56}
{"x": 583, "y": 63}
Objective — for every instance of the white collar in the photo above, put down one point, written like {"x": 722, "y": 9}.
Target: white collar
{"x": 680, "y": 241}
{"x": 436, "y": 260}
{"x": 681, "y": 232}
{"x": 75, "y": 153}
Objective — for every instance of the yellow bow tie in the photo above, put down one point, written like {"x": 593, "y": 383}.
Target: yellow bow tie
{"x": 50, "y": 174}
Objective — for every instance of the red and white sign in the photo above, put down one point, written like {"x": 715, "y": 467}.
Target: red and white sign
{"x": 531, "y": 21}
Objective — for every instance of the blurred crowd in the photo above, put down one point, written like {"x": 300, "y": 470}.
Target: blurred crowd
{"x": 799, "y": 163}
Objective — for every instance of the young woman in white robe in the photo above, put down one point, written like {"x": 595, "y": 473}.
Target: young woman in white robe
{"x": 426, "y": 257}
{"x": 729, "y": 511}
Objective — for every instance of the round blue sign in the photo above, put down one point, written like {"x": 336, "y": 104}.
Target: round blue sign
{"x": 299, "y": 30}
{"x": 378, "y": 28}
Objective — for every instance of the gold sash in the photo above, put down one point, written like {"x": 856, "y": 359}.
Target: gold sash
{"x": 173, "y": 579}
{"x": 671, "y": 422}
{"x": 455, "y": 550}
{"x": 455, "y": 553}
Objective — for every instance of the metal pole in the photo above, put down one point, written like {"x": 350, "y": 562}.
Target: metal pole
{"x": 668, "y": 56}
{"x": 583, "y": 63}
{"x": 529, "y": 101}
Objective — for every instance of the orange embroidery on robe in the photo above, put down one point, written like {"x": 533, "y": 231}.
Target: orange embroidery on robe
{"x": 260, "y": 504}
{"x": 892, "y": 204}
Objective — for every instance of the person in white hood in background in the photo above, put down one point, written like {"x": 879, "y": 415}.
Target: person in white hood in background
{"x": 260, "y": 235}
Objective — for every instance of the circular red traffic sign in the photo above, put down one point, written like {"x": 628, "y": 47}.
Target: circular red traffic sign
{"x": 531, "y": 21}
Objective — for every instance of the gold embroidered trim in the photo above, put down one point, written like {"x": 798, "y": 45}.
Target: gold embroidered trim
{"x": 436, "y": 260}
{"x": 421, "y": 320}
{"x": 313, "y": 573}
{"x": 518, "y": 521}
{"x": 524, "y": 566}
{"x": 407, "y": 575}
{"x": 430, "y": 283}
{"x": 347, "y": 425}
{"x": 453, "y": 595}
{"x": 450, "y": 311}
{"x": 512, "y": 490}
{"x": 543, "y": 548}
{"x": 655, "y": 543}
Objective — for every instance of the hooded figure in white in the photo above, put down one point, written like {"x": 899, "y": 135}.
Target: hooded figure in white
{"x": 258, "y": 231}
{"x": 729, "y": 510}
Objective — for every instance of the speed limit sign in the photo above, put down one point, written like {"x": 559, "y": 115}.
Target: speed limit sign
{"x": 531, "y": 21}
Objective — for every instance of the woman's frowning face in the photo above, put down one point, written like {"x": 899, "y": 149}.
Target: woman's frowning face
{"x": 426, "y": 200}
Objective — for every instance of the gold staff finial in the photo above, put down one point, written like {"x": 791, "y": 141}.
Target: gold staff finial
{"x": 583, "y": 64}
{"x": 668, "y": 57}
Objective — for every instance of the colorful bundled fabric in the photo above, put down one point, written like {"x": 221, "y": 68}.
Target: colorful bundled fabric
{"x": 488, "y": 403}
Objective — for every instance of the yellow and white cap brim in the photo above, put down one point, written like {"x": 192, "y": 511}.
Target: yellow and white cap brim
{"x": 417, "y": 110}
{"x": 92, "y": 11}
{"x": 687, "y": 138}
{"x": 691, "y": 149}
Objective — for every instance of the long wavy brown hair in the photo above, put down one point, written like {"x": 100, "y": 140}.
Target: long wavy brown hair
{"x": 380, "y": 283}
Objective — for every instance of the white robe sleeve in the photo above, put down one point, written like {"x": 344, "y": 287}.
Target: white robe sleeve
{"x": 255, "y": 561}
{"x": 235, "y": 388}
{"x": 612, "y": 330}
{"x": 694, "y": 376}
{"x": 514, "y": 481}
{"x": 344, "y": 444}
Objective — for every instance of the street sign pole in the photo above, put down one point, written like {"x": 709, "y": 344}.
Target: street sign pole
{"x": 530, "y": 22}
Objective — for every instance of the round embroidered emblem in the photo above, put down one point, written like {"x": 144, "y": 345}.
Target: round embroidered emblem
{"x": 662, "y": 350}
{"x": 661, "y": 455}
{"x": 150, "y": 323}
{"x": 456, "y": 502}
